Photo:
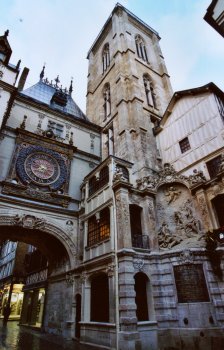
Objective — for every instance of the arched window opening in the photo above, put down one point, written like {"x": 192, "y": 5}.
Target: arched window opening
{"x": 140, "y": 47}
{"x": 138, "y": 239}
{"x": 141, "y": 281}
{"x": 149, "y": 91}
{"x": 107, "y": 101}
{"x": 99, "y": 227}
{"x": 106, "y": 57}
{"x": 100, "y": 299}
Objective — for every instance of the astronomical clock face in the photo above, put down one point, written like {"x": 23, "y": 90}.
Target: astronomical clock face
{"x": 41, "y": 166}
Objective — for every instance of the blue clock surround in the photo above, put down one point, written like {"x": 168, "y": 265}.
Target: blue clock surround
{"x": 25, "y": 152}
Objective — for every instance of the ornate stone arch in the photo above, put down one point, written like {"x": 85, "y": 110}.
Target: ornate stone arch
{"x": 28, "y": 221}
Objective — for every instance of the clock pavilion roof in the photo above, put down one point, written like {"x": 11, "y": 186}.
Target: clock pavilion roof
{"x": 54, "y": 97}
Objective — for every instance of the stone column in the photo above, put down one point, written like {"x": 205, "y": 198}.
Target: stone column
{"x": 86, "y": 289}
{"x": 129, "y": 337}
{"x": 149, "y": 221}
{"x": 123, "y": 219}
{"x": 112, "y": 301}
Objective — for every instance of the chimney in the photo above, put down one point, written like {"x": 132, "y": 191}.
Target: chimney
{"x": 22, "y": 79}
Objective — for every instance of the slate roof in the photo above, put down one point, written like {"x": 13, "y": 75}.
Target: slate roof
{"x": 43, "y": 92}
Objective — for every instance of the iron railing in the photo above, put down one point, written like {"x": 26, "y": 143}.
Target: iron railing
{"x": 140, "y": 241}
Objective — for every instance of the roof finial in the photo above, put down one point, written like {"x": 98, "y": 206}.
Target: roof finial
{"x": 6, "y": 33}
{"x": 42, "y": 72}
{"x": 57, "y": 81}
{"x": 71, "y": 87}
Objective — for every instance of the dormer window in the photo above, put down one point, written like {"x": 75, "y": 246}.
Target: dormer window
{"x": 60, "y": 98}
{"x": 140, "y": 47}
{"x": 106, "y": 57}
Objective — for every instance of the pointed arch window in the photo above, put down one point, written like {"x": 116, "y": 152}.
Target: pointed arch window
{"x": 107, "y": 101}
{"x": 106, "y": 57}
{"x": 149, "y": 91}
{"x": 140, "y": 47}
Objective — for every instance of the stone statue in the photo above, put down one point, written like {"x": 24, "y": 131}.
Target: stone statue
{"x": 172, "y": 194}
{"x": 166, "y": 239}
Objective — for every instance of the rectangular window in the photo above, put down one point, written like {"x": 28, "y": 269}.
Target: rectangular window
{"x": 213, "y": 166}
{"x": 184, "y": 145}
{"x": 56, "y": 128}
{"x": 99, "y": 230}
{"x": 190, "y": 283}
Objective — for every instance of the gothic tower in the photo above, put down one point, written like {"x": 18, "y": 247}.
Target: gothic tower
{"x": 128, "y": 88}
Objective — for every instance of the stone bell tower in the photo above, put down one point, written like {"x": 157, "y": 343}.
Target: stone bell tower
{"x": 128, "y": 89}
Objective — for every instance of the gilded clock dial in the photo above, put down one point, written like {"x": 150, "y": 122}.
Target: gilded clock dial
{"x": 42, "y": 168}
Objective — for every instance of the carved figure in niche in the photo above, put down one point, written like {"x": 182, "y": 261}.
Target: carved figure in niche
{"x": 119, "y": 175}
{"x": 172, "y": 194}
{"x": 166, "y": 239}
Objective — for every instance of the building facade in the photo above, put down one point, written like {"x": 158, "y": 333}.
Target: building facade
{"x": 133, "y": 228}
{"x": 215, "y": 16}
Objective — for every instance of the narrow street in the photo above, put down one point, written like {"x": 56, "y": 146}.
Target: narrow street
{"x": 14, "y": 337}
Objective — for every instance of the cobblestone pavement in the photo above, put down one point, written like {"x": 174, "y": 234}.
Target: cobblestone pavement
{"x": 14, "y": 337}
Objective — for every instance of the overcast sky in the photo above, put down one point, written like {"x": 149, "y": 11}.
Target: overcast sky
{"x": 60, "y": 33}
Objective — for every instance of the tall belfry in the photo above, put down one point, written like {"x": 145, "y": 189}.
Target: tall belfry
{"x": 128, "y": 88}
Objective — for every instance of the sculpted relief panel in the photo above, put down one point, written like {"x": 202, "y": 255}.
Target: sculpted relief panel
{"x": 178, "y": 222}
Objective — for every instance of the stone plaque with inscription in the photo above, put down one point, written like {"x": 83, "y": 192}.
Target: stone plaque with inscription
{"x": 190, "y": 283}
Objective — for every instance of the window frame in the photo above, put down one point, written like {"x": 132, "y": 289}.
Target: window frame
{"x": 98, "y": 230}
{"x": 184, "y": 145}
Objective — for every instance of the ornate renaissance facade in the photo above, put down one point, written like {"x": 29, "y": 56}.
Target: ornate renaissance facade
{"x": 126, "y": 203}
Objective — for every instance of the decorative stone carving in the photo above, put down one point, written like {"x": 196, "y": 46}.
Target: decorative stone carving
{"x": 172, "y": 193}
{"x": 166, "y": 239}
{"x": 83, "y": 277}
{"x": 169, "y": 175}
{"x": 122, "y": 211}
{"x": 196, "y": 178}
{"x": 69, "y": 225}
{"x": 216, "y": 187}
{"x": 110, "y": 270}
{"x": 221, "y": 165}
{"x": 186, "y": 256}
{"x": 29, "y": 221}
{"x": 185, "y": 220}
{"x": 92, "y": 137}
{"x": 121, "y": 174}
{"x": 138, "y": 263}
{"x": 204, "y": 211}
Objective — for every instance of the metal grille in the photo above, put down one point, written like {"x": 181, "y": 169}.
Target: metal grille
{"x": 140, "y": 241}
{"x": 99, "y": 230}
